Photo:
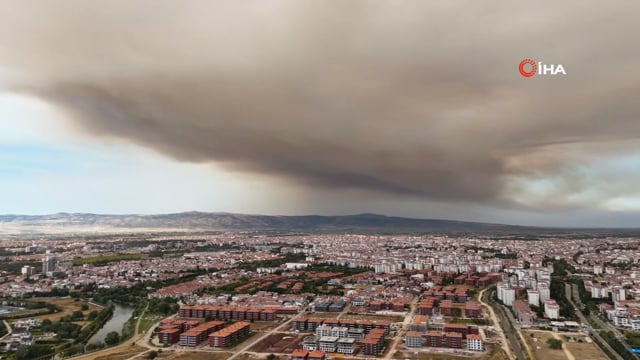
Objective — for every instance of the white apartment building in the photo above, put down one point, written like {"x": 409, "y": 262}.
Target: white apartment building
{"x": 475, "y": 343}
{"x": 618, "y": 294}
{"x": 413, "y": 339}
{"x": 323, "y": 330}
{"x": 551, "y": 309}
{"x": 533, "y": 297}
{"x": 509, "y": 295}
{"x": 543, "y": 290}
{"x": 599, "y": 292}
{"x": 500, "y": 291}
{"x": 328, "y": 344}
{"x": 310, "y": 343}
{"x": 346, "y": 346}
{"x": 339, "y": 332}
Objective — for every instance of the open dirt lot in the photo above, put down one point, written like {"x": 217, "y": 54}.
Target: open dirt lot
{"x": 117, "y": 353}
{"x": 263, "y": 325}
{"x": 68, "y": 306}
{"x": 323, "y": 315}
{"x": 584, "y": 349}
{"x": 195, "y": 355}
{"x": 278, "y": 343}
{"x": 373, "y": 317}
{"x": 540, "y": 348}
{"x": 492, "y": 354}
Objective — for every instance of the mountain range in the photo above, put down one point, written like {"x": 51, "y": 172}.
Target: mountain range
{"x": 238, "y": 222}
{"x": 206, "y": 221}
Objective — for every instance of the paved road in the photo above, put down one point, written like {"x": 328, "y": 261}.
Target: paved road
{"x": 277, "y": 328}
{"x": 405, "y": 324}
{"x": 523, "y": 341}
{"x": 605, "y": 325}
{"x": 506, "y": 327}
{"x": 9, "y": 329}
{"x": 483, "y": 296}
{"x": 568, "y": 292}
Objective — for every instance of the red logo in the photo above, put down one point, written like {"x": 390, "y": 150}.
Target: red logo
{"x": 533, "y": 68}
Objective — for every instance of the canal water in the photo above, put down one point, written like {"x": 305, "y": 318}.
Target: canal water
{"x": 121, "y": 315}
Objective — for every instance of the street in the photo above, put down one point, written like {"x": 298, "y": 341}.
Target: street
{"x": 502, "y": 326}
{"x": 583, "y": 319}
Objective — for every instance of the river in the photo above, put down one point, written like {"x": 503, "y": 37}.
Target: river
{"x": 120, "y": 316}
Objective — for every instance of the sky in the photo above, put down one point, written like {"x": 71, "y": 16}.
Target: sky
{"x": 407, "y": 108}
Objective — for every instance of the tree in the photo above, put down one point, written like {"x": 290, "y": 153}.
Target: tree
{"x": 92, "y": 315}
{"x": 93, "y": 346}
{"x": 152, "y": 355}
{"x": 32, "y": 351}
{"x": 84, "y": 307}
{"x": 63, "y": 330}
{"x": 272, "y": 357}
{"x": 77, "y": 315}
{"x": 112, "y": 338}
{"x": 554, "y": 344}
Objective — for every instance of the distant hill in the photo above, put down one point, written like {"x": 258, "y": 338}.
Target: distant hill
{"x": 239, "y": 222}
{"x": 204, "y": 221}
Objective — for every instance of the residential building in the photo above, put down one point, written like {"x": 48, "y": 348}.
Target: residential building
{"x": 229, "y": 335}
{"x": 346, "y": 346}
{"x": 533, "y": 297}
{"x": 413, "y": 339}
{"x": 551, "y": 309}
{"x": 328, "y": 344}
{"x": 299, "y": 354}
{"x": 475, "y": 343}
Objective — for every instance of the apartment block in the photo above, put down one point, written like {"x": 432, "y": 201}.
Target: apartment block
{"x": 475, "y": 343}
{"x": 413, "y": 339}
{"x": 229, "y": 335}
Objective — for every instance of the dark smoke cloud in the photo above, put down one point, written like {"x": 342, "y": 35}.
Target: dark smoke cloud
{"x": 409, "y": 98}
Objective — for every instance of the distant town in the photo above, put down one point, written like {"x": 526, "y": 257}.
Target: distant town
{"x": 234, "y": 295}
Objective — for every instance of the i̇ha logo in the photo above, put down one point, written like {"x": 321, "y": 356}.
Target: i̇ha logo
{"x": 528, "y": 68}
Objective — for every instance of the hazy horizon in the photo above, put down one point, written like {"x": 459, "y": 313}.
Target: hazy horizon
{"x": 411, "y": 109}
{"x": 583, "y": 227}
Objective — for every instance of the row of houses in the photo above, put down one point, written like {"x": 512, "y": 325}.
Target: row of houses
{"x": 340, "y": 332}
{"x": 455, "y": 294}
{"x": 624, "y": 314}
{"x": 300, "y": 354}
{"x": 477, "y": 281}
{"x": 238, "y": 313}
{"x": 397, "y": 306}
{"x": 373, "y": 342}
{"x": 329, "y": 306}
{"x": 312, "y": 324}
{"x": 452, "y": 340}
{"x": 229, "y": 335}
{"x": 199, "y": 334}
{"x": 332, "y": 344}
{"x": 470, "y": 309}
{"x": 191, "y": 333}
{"x": 169, "y": 330}
{"x": 462, "y": 329}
